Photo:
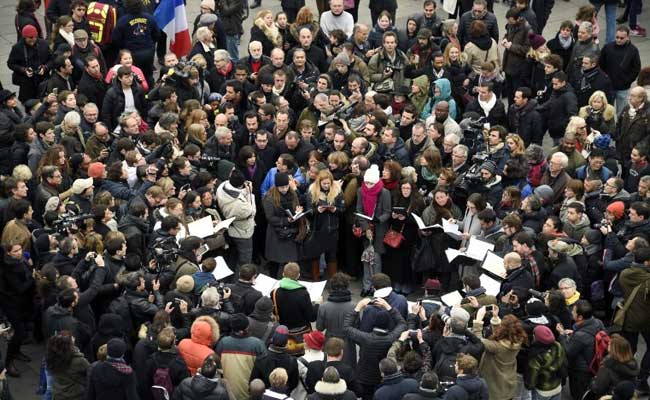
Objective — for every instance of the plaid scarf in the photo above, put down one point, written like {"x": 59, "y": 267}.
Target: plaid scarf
{"x": 534, "y": 269}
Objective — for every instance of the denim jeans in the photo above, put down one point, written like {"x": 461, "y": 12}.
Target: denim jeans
{"x": 232, "y": 44}
{"x": 635, "y": 10}
{"x": 370, "y": 270}
{"x": 621, "y": 100}
{"x": 610, "y": 19}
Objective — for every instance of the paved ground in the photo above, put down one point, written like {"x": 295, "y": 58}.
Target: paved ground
{"x": 24, "y": 387}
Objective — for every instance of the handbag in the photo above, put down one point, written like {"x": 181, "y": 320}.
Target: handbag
{"x": 619, "y": 317}
{"x": 394, "y": 238}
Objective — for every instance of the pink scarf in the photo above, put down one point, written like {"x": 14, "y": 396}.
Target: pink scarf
{"x": 369, "y": 197}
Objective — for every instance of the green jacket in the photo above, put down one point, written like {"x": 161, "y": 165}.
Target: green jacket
{"x": 546, "y": 369}
{"x": 637, "y": 318}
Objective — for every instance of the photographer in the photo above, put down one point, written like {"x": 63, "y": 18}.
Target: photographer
{"x": 490, "y": 185}
{"x": 386, "y": 67}
{"x": 186, "y": 263}
{"x": 306, "y": 74}
{"x": 137, "y": 305}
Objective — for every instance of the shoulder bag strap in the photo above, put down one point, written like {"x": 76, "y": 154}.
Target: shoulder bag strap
{"x": 274, "y": 296}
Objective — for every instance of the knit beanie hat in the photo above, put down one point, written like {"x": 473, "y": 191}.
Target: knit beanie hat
{"x": 372, "y": 174}
{"x": 543, "y": 334}
{"x": 96, "y": 170}
{"x": 545, "y": 193}
{"x": 281, "y": 179}
{"x": 116, "y": 348}
{"x": 490, "y": 166}
{"x": 280, "y": 336}
{"x": 29, "y": 31}
{"x": 238, "y": 322}
{"x": 593, "y": 236}
{"x": 617, "y": 209}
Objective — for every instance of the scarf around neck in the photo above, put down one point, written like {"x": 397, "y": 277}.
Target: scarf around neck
{"x": 487, "y": 106}
{"x": 68, "y": 36}
{"x": 565, "y": 43}
{"x": 369, "y": 197}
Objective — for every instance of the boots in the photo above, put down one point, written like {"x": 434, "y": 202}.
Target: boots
{"x": 331, "y": 269}
{"x": 315, "y": 270}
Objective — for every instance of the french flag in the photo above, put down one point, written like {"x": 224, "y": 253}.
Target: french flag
{"x": 170, "y": 16}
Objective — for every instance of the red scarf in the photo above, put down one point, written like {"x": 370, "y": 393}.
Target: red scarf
{"x": 390, "y": 185}
{"x": 369, "y": 197}
{"x": 256, "y": 65}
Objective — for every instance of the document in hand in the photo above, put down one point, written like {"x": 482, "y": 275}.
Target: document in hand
{"x": 265, "y": 284}
{"x": 364, "y": 216}
{"x": 201, "y": 227}
{"x": 225, "y": 224}
{"x": 421, "y": 225}
{"x": 451, "y": 229}
{"x": 452, "y": 298}
{"x": 476, "y": 249}
{"x": 494, "y": 264}
{"x": 222, "y": 270}
{"x": 297, "y": 216}
{"x": 315, "y": 289}
{"x": 492, "y": 286}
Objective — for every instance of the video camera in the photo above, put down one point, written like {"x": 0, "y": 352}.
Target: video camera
{"x": 165, "y": 251}
{"x": 472, "y": 178}
{"x": 68, "y": 222}
{"x": 180, "y": 72}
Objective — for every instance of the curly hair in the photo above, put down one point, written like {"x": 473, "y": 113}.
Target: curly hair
{"x": 511, "y": 330}
{"x": 60, "y": 349}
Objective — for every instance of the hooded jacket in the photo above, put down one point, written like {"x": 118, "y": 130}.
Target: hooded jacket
{"x": 419, "y": 100}
{"x": 204, "y": 335}
{"x": 577, "y": 230}
{"x": 526, "y": 121}
{"x": 547, "y": 367}
{"x": 240, "y": 204}
{"x": 612, "y": 372}
{"x": 482, "y": 49}
{"x": 444, "y": 86}
{"x": 293, "y": 304}
{"x": 637, "y": 319}
{"x": 468, "y": 387}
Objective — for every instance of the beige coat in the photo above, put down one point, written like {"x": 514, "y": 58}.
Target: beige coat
{"x": 498, "y": 365}
{"x": 476, "y": 56}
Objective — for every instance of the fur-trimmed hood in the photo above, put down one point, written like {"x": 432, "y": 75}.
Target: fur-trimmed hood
{"x": 272, "y": 32}
{"x": 201, "y": 335}
{"x": 313, "y": 26}
{"x": 331, "y": 389}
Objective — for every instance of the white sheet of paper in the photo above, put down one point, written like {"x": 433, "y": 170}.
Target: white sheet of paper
{"x": 452, "y": 298}
{"x": 315, "y": 289}
{"x": 449, "y": 6}
{"x": 476, "y": 249}
{"x": 420, "y": 223}
{"x": 448, "y": 227}
{"x": 222, "y": 270}
{"x": 265, "y": 284}
{"x": 202, "y": 227}
{"x": 494, "y": 264}
{"x": 453, "y": 253}
{"x": 410, "y": 305}
{"x": 225, "y": 224}
{"x": 492, "y": 286}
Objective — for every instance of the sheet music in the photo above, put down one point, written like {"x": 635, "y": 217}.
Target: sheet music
{"x": 452, "y": 254}
{"x": 476, "y": 249}
{"x": 451, "y": 229}
{"x": 315, "y": 289}
{"x": 222, "y": 270}
{"x": 494, "y": 264}
{"x": 202, "y": 227}
{"x": 421, "y": 225}
{"x": 265, "y": 284}
{"x": 452, "y": 298}
{"x": 225, "y": 224}
{"x": 492, "y": 286}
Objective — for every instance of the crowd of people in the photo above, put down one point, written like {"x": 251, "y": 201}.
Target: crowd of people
{"x": 337, "y": 150}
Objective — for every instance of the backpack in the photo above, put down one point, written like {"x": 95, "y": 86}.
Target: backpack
{"x": 445, "y": 368}
{"x": 601, "y": 343}
{"x": 162, "y": 382}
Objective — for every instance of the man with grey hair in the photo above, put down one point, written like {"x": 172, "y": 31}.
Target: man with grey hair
{"x": 418, "y": 143}
{"x": 221, "y": 144}
{"x": 556, "y": 176}
{"x": 359, "y": 40}
{"x": 632, "y": 126}
{"x": 584, "y": 45}
{"x": 223, "y": 70}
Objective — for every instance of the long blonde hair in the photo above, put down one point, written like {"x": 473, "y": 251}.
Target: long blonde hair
{"x": 315, "y": 190}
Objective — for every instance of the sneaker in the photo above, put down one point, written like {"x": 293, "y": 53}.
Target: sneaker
{"x": 637, "y": 32}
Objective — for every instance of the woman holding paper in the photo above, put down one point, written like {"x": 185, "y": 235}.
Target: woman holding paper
{"x": 441, "y": 207}
{"x": 373, "y": 212}
{"x": 325, "y": 200}
{"x": 283, "y": 232}
{"x": 406, "y": 200}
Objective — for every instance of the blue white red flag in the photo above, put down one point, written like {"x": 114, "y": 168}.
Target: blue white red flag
{"x": 171, "y": 18}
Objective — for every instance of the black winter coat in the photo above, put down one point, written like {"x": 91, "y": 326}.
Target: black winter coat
{"x": 111, "y": 380}
{"x": 113, "y": 105}
{"x": 93, "y": 89}
{"x": 497, "y": 115}
{"x": 275, "y": 358}
{"x": 231, "y": 13}
{"x": 612, "y": 372}
{"x": 580, "y": 346}
{"x": 514, "y": 58}
{"x": 164, "y": 359}
{"x": 631, "y": 131}
{"x": 244, "y": 296}
{"x": 621, "y": 63}
{"x": 557, "y": 111}
{"x": 294, "y": 307}
{"x": 199, "y": 387}
{"x": 590, "y": 81}
{"x": 526, "y": 122}
{"x": 36, "y": 56}
{"x": 373, "y": 345}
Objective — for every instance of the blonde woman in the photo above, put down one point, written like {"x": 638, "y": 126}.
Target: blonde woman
{"x": 598, "y": 113}
{"x": 266, "y": 32}
{"x": 325, "y": 200}
{"x": 173, "y": 207}
{"x": 196, "y": 135}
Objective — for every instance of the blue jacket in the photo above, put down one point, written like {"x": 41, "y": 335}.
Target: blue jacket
{"x": 136, "y": 32}
{"x": 269, "y": 180}
{"x": 201, "y": 279}
{"x": 395, "y": 387}
{"x": 583, "y": 171}
{"x": 444, "y": 86}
